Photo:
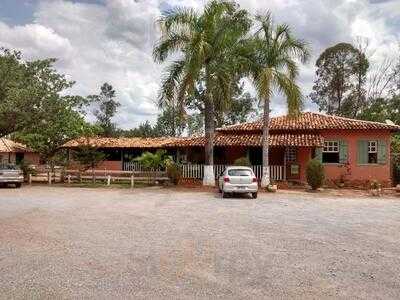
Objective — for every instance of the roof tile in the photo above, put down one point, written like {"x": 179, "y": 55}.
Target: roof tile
{"x": 310, "y": 121}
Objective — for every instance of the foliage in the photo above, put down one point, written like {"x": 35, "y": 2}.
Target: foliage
{"x": 144, "y": 130}
{"x": 51, "y": 133}
{"x": 315, "y": 174}
{"x": 29, "y": 90}
{"x": 107, "y": 108}
{"x": 240, "y": 108}
{"x": 208, "y": 44}
{"x": 339, "y": 88}
{"x": 26, "y": 168}
{"x": 382, "y": 109}
{"x": 174, "y": 171}
{"x": 375, "y": 185}
{"x": 242, "y": 161}
{"x": 88, "y": 156}
{"x": 170, "y": 122}
{"x": 153, "y": 161}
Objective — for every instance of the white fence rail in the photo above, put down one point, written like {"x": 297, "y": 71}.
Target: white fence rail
{"x": 197, "y": 170}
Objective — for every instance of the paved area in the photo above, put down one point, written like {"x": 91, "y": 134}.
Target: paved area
{"x": 59, "y": 243}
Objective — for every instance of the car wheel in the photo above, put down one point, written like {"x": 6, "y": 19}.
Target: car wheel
{"x": 18, "y": 185}
{"x": 224, "y": 195}
{"x": 254, "y": 195}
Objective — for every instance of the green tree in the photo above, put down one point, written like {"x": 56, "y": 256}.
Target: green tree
{"x": 273, "y": 68}
{"x": 144, "y": 130}
{"x": 339, "y": 88}
{"x": 107, "y": 108}
{"x": 207, "y": 45}
{"x": 89, "y": 157}
{"x": 27, "y": 90}
{"x": 48, "y": 135}
{"x": 240, "y": 108}
{"x": 170, "y": 122}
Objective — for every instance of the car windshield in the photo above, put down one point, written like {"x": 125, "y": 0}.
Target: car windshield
{"x": 8, "y": 167}
{"x": 239, "y": 172}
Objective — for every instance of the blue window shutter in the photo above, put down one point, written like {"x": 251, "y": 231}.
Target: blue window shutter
{"x": 343, "y": 152}
{"x": 318, "y": 154}
{"x": 362, "y": 152}
{"x": 382, "y": 152}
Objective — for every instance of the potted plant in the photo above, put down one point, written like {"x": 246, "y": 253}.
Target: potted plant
{"x": 376, "y": 189}
{"x": 272, "y": 187}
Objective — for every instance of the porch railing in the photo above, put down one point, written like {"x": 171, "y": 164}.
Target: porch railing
{"x": 197, "y": 170}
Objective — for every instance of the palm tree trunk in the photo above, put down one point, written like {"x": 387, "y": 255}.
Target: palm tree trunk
{"x": 209, "y": 127}
{"x": 265, "y": 180}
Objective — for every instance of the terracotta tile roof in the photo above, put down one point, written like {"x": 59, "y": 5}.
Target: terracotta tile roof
{"x": 220, "y": 140}
{"x": 252, "y": 140}
{"x": 7, "y": 145}
{"x": 311, "y": 121}
{"x": 136, "y": 142}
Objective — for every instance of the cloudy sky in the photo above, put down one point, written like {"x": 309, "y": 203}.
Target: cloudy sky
{"x": 99, "y": 41}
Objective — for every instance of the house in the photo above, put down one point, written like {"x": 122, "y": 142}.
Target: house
{"x": 14, "y": 153}
{"x": 352, "y": 151}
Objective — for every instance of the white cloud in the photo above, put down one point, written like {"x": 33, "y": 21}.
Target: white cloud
{"x": 113, "y": 41}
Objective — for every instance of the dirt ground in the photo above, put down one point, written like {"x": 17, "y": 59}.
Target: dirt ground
{"x": 59, "y": 243}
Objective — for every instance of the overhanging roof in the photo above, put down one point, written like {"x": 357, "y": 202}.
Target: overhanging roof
{"x": 310, "y": 121}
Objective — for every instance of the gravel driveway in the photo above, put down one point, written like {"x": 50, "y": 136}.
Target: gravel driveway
{"x": 155, "y": 243}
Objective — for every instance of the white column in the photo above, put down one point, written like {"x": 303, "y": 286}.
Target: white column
{"x": 209, "y": 177}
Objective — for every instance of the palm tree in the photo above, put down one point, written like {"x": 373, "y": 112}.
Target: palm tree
{"x": 206, "y": 45}
{"x": 273, "y": 69}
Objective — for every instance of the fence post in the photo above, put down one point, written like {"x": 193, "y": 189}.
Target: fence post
{"x": 108, "y": 179}
{"x": 132, "y": 180}
{"x": 30, "y": 178}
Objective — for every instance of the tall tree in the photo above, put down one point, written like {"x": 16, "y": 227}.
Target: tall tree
{"x": 27, "y": 90}
{"x": 47, "y": 136}
{"x": 339, "y": 88}
{"x": 273, "y": 68}
{"x": 106, "y": 110}
{"x": 241, "y": 108}
{"x": 207, "y": 46}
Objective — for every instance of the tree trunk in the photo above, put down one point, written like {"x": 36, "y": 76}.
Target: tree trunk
{"x": 265, "y": 181}
{"x": 209, "y": 127}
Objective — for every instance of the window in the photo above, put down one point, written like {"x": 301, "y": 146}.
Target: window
{"x": 291, "y": 154}
{"x": 239, "y": 172}
{"x": 330, "y": 153}
{"x": 372, "y": 152}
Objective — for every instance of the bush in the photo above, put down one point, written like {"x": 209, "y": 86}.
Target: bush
{"x": 315, "y": 174}
{"x": 243, "y": 161}
{"x": 173, "y": 172}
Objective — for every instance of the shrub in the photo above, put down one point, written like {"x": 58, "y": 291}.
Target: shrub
{"x": 375, "y": 185}
{"x": 173, "y": 172}
{"x": 315, "y": 174}
{"x": 242, "y": 161}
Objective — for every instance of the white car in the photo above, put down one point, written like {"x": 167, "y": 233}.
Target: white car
{"x": 238, "y": 180}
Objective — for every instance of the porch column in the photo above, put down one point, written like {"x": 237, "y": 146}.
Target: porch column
{"x": 284, "y": 164}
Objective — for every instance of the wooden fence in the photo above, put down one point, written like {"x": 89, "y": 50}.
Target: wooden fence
{"x": 105, "y": 176}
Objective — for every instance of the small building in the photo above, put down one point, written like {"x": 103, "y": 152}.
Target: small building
{"x": 352, "y": 151}
{"x": 14, "y": 153}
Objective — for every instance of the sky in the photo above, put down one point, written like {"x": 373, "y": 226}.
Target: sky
{"x": 97, "y": 41}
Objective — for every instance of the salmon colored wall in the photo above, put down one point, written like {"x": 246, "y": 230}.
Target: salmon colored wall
{"x": 32, "y": 158}
{"x": 356, "y": 172}
{"x": 303, "y": 156}
{"x": 108, "y": 165}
